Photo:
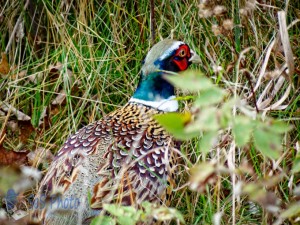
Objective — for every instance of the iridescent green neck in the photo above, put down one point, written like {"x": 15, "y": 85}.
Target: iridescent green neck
{"x": 153, "y": 87}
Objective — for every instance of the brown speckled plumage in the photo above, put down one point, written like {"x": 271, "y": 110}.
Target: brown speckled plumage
{"x": 123, "y": 158}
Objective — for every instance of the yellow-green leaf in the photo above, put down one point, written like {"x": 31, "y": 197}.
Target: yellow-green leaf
{"x": 242, "y": 129}
{"x": 103, "y": 220}
{"x": 207, "y": 140}
{"x": 175, "y": 124}
{"x": 267, "y": 143}
{"x": 165, "y": 213}
{"x": 210, "y": 96}
{"x": 190, "y": 80}
{"x": 279, "y": 127}
{"x": 206, "y": 120}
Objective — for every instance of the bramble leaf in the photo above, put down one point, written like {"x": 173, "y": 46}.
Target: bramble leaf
{"x": 206, "y": 120}
{"x": 175, "y": 124}
{"x": 210, "y": 96}
{"x": 279, "y": 127}
{"x": 206, "y": 141}
{"x": 242, "y": 129}
{"x": 103, "y": 220}
{"x": 190, "y": 80}
{"x": 266, "y": 142}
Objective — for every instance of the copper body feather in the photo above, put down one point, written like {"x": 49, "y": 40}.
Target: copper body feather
{"x": 126, "y": 158}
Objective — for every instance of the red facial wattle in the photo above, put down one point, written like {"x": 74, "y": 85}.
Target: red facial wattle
{"x": 182, "y": 64}
{"x": 181, "y": 57}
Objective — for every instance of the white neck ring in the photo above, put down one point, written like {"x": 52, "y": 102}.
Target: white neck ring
{"x": 168, "y": 105}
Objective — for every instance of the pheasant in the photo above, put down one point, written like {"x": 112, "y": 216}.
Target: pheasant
{"x": 124, "y": 158}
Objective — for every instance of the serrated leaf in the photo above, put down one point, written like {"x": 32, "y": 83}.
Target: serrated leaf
{"x": 165, "y": 213}
{"x": 147, "y": 208}
{"x": 161, "y": 213}
{"x": 226, "y": 113}
{"x": 279, "y": 127}
{"x": 126, "y": 220}
{"x": 190, "y": 80}
{"x": 103, "y": 220}
{"x": 114, "y": 209}
{"x": 242, "y": 129}
{"x": 206, "y": 120}
{"x": 126, "y": 215}
{"x": 175, "y": 124}
{"x": 266, "y": 142}
{"x": 210, "y": 96}
{"x": 206, "y": 141}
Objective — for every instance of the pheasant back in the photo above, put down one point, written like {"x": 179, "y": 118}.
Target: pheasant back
{"x": 125, "y": 158}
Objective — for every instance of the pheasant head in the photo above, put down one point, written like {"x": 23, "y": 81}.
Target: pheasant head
{"x": 155, "y": 91}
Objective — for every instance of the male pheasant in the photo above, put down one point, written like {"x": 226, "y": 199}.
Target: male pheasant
{"x": 126, "y": 157}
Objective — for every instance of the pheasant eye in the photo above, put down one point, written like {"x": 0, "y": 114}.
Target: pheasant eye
{"x": 182, "y": 53}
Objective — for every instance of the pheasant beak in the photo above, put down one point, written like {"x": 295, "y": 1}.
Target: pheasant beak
{"x": 194, "y": 58}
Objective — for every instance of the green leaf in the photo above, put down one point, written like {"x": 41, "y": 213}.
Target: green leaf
{"x": 185, "y": 98}
{"x": 114, "y": 209}
{"x": 190, "y": 80}
{"x": 266, "y": 142}
{"x": 126, "y": 220}
{"x": 175, "y": 124}
{"x": 226, "y": 116}
{"x": 242, "y": 129}
{"x": 207, "y": 141}
{"x": 210, "y": 96}
{"x": 279, "y": 127}
{"x": 126, "y": 215}
{"x": 161, "y": 213}
{"x": 147, "y": 208}
{"x": 206, "y": 120}
{"x": 103, "y": 220}
{"x": 165, "y": 213}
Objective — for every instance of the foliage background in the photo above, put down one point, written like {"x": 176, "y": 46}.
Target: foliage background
{"x": 68, "y": 63}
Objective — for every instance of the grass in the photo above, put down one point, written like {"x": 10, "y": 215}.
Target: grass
{"x": 91, "y": 51}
